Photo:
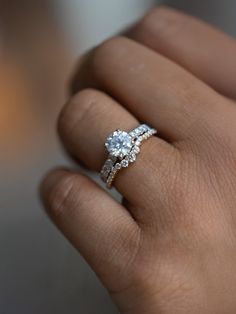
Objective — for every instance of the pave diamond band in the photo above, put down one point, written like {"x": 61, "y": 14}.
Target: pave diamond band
{"x": 123, "y": 149}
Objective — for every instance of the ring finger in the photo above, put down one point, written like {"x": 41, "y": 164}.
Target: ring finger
{"x": 84, "y": 125}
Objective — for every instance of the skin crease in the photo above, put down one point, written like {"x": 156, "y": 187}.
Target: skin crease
{"x": 170, "y": 247}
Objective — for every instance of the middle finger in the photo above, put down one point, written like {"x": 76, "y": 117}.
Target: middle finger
{"x": 150, "y": 86}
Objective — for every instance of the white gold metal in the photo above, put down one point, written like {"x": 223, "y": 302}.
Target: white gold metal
{"x": 123, "y": 149}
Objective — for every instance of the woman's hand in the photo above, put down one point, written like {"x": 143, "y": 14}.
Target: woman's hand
{"x": 171, "y": 246}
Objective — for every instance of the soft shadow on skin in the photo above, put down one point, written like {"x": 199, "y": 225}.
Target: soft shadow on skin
{"x": 81, "y": 77}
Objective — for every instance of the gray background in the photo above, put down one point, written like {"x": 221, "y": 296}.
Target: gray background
{"x": 39, "y": 271}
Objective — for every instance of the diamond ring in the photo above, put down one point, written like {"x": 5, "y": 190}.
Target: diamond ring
{"x": 123, "y": 149}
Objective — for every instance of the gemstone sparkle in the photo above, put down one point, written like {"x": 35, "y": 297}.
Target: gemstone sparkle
{"x": 119, "y": 144}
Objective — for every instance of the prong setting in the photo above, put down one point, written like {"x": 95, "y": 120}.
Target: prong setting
{"x": 123, "y": 149}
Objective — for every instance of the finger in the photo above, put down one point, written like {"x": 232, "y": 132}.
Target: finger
{"x": 100, "y": 228}
{"x": 205, "y": 51}
{"x": 84, "y": 125}
{"x": 152, "y": 87}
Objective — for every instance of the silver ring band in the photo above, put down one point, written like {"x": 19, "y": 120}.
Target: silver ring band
{"x": 123, "y": 149}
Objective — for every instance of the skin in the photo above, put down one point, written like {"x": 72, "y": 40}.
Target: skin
{"x": 171, "y": 246}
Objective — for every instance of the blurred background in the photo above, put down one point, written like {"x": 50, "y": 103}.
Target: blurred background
{"x": 40, "y": 42}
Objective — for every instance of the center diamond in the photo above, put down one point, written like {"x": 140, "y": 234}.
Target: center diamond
{"x": 119, "y": 144}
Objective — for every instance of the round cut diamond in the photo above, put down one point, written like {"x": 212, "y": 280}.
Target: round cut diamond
{"x": 124, "y": 163}
{"x": 119, "y": 144}
{"x": 136, "y": 150}
{"x": 118, "y": 166}
{"x": 132, "y": 158}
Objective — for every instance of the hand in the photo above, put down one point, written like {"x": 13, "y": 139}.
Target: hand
{"x": 171, "y": 246}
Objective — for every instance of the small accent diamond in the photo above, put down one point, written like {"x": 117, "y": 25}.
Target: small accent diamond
{"x": 136, "y": 149}
{"x": 124, "y": 163}
{"x": 132, "y": 158}
{"x": 118, "y": 166}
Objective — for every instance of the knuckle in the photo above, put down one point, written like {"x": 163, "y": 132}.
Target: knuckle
{"x": 61, "y": 197}
{"x": 76, "y": 110}
{"x": 109, "y": 46}
{"x": 110, "y": 50}
{"x": 164, "y": 20}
